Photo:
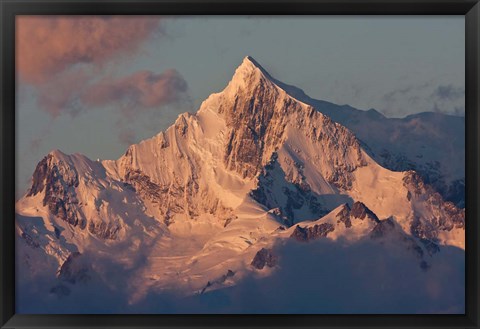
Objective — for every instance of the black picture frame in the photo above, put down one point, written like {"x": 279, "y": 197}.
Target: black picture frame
{"x": 10, "y": 8}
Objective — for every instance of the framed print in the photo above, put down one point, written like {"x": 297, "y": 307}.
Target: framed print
{"x": 227, "y": 164}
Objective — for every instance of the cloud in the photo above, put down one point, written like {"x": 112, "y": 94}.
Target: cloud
{"x": 75, "y": 91}
{"x": 72, "y": 64}
{"x": 62, "y": 94}
{"x": 410, "y": 91}
{"x": 319, "y": 277}
{"x": 47, "y": 46}
{"x": 394, "y": 101}
{"x": 448, "y": 92}
{"x": 132, "y": 96}
{"x": 140, "y": 90}
{"x": 393, "y": 95}
{"x": 447, "y": 99}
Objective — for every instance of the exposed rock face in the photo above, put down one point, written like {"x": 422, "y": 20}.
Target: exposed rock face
{"x": 358, "y": 211}
{"x": 383, "y": 228}
{"x": 399, "y": 144}
{"x": 455, "y": 217}
{"x": 344, "y": 216}
{"x": 264, "y": 257}
{"x": 446, "y": 216}
{"x": 431, "y": 174}
{"x": 249, "y": 121}
{"x": 338, "y": 143}
{"x": 104, "y": 230}
{"x": 306, "y": 234}
{"x": 258, "y": 116}
{"x": 294, "y": 196}
{"x": 361, "y": 211}
{"x": 39, "y": 176}
{"x": 218, "y": 281}
{"x": 182, "y": 194}
{"x": 229, "y": 219}
{"x": 142, "y": 183}
{"x": 58, "y": 179}
{"x": 181, "y": 125}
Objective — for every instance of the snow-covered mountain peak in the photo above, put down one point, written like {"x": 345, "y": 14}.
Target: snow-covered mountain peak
{"x": 249, "y": 63}
{"x": 247, "y": 76}
{"x": 56, "y": 153}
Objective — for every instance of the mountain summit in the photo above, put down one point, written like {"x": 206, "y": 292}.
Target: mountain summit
{"x": 200, "y": 206}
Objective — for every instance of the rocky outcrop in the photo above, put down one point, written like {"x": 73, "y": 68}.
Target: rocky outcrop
{"x": 141, "y": 183}
{"x": 264, "y": 257}
{"x": 40, "y": 176}
{"x": 218, "y": 281}
{"x": 229, "y": 219}
{"x": 343, "y": 216}
{"x": 445, "y": 215}
{"x": 430, "y": 172}
{"x": 358, "y": 211}
{"x": 306, "y": 234}
{"x": 58, "y": 180}
{"x": 361, "y": 211}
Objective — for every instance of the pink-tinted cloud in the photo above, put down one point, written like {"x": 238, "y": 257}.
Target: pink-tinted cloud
{"x": 74, "y": 91}
{"x": 62, "y": 94}
{"x": 66, "y": 59}
{"x": 132, "y": 96}
{"x": 141, "y": 90}
{"x": 49, "y": 45}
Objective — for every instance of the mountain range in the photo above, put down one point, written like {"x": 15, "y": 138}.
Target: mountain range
{"x": 247, "y": 203}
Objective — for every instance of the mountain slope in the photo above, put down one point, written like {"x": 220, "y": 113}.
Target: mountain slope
{"x": 424, "y": 142}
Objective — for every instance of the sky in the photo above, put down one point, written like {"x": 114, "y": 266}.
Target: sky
{"x": 94, "y": 85}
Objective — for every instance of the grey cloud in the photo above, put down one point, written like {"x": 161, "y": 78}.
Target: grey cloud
{"x": 448, "y": 99}
{"x": 445, "y": 99}
{"x": 394, "y": 93}
{"x": 448, "y": 92}
{"x": 410, "y": 90}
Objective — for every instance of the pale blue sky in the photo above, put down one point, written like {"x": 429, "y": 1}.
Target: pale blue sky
{"x": 397, "y": 65}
